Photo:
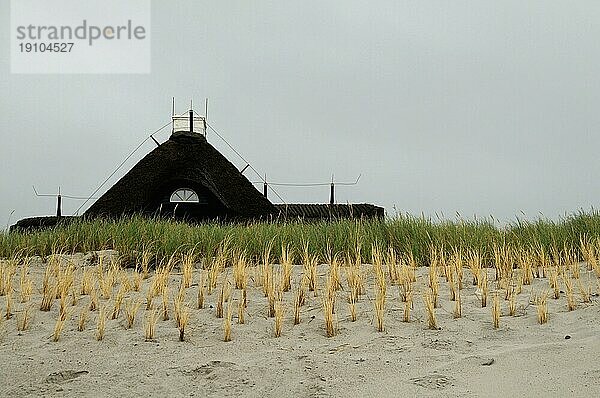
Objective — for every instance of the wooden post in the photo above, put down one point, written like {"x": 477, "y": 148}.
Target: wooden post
{"x": 58, "y": 206}
{"x": 332, "y": 194}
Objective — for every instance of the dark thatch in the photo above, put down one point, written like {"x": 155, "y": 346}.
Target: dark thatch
{"x": 184, "y": 161}
{"x": 326, "y": 211}
{"x": 40, "y": 223}
{"x": 283, "y": 213}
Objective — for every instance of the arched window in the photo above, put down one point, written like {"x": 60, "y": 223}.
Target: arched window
{"x": 184, "y": 195}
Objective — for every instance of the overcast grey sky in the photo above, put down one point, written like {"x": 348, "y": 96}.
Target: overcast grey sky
{"x": 477, "y": 107}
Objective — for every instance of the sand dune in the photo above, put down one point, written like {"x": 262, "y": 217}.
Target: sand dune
{"x": 465, "y": 357}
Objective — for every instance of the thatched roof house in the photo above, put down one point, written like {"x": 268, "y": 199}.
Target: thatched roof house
{"x": 184, "y": 177}
{"x": 187, "y": 178}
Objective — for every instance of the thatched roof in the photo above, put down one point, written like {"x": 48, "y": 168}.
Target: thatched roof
{"x": 289, "y": 212}
{"x": 188, "y": 159}
{"x": 327, "y": 211}
{"x": 40, "y": 223}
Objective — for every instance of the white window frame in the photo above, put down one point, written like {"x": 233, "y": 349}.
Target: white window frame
{"x": 184, "y": 195}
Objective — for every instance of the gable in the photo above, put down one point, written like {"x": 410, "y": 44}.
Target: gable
{"x": 183, "y": 159}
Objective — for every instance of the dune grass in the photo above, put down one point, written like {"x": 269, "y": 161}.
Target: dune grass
{"x": 381, "y": 287}
{"x": 135, "y": 236}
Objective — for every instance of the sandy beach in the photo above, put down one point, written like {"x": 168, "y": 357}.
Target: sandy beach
{"x": 464, "y": 357}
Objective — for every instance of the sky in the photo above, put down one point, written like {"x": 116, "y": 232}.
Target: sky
{"x": 474, "y": 108}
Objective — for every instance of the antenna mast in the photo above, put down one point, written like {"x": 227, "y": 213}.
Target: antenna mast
{"x": 205, "y": 116}
{"x": 173, "y": 114}
{"x": 191, "y": 117}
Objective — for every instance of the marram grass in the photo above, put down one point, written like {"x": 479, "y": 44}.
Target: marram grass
{"x": 137, "y": 237}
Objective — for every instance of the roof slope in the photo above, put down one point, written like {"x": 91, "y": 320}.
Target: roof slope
{"x": 327, "y": 211}
{"x": 183, "y": 157}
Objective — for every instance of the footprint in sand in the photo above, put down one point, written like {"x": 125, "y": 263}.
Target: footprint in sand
{"x": 65, "y": 376}
{"x": 217, "y": 376}
{"x": 433, "y": 381}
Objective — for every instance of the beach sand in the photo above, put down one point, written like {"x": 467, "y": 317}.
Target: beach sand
{"x": 465, "y": 357}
